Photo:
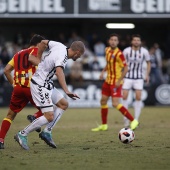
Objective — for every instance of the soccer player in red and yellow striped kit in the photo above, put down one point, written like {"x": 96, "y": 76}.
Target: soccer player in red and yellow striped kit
{"x": 116, "y": 69}
{"x": 23, "y": 70}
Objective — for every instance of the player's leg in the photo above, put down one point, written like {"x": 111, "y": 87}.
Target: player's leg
{"x": 17, "y": 103}
{"x": 5, "y": 125}
{"x": 104, "y": 108}
{"x": 138, "y": 104}
{"x": 42, "y": 99}
{"x": 115, "y": 102}
{"x": 138, "y": 86}
{"x": 125, "y": 104}
{"x": 31, "y": 118}
{"x": 127, "y": 85}
{"x": 60, "y": 106}
{"x": 116, "y": 95}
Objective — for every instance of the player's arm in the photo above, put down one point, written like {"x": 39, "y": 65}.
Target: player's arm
{"x": 102, "y": 73}
{"x": 36, "y": 53}
{"x": 148, "y": 71}
{"x": 148, "y": 66}
{"x": 7, "y": 71}
{"x": 124, "y": 70}
{"x": 34, "y": 60}
{"x": 61, "y": 78}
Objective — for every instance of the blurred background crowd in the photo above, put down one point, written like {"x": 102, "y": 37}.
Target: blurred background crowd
{"x": 93, "y": 61}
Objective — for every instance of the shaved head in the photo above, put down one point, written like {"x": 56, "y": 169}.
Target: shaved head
{"x": 78, "y": 46}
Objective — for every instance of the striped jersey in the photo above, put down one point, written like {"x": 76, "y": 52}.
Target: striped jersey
{"x": 56, "y": 56}
{"x": 135, "y": 59}
{"x": 23, "y": 69}
{"x": 115, "y": 63}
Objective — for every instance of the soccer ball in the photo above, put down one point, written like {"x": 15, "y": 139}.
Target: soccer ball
{"x": 126, "y": 135}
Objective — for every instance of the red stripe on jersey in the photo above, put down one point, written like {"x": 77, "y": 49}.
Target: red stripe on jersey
{"x": 23, "y": 69}
{"x": 115, "y": 63}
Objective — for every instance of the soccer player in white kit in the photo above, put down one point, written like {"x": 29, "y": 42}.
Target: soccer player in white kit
{"x": 135, "y": 56}
{"x": 42, "y": 85}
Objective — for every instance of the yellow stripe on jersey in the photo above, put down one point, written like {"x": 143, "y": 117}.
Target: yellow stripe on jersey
{"x": 114, "y": 65}
{"x": 16, "y": 78}
{"x": 11, "y": 62}
{"x": 32, "y": 51}
{"x": 22, "y": 78}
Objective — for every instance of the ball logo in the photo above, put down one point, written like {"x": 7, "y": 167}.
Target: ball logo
{"x": 162, "y": 94}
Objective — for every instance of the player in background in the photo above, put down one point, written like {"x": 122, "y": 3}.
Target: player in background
{"x": 116, "y": 69}
{"x": 42, "y": 85}
{"x": 23, "y": 71}
{"x": 135, "y": 56}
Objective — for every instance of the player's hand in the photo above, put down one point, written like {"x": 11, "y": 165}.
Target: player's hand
{"x": 101, "y": 77}
{"x": 147, "y": 79}
{"x": 73, "y": 96}
{"x": 117, "y": 84}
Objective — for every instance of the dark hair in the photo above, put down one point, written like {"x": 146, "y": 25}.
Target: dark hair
{"x": 114, "y": 35}
{"x": 136, "y": 36}
{"x": 36, "y": 39}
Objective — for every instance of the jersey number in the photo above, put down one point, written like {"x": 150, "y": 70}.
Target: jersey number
{"x": 24, "y": 61}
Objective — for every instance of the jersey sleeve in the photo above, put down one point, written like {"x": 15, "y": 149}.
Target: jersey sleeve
{"x": 52, "y": 44}
{"x": 11, "y": 62}
{"x": 33, "y": 51}
{"x": 62, "y": 59}
{"x": 147, "y": 56}
{"x": 122, "y": 60}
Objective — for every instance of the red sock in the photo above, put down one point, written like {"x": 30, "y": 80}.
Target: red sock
{"x": 38, "y": 114}
{"x": 6, "y": 123}
{"x": 125, "y": 112}
{"x": 104, "y": 113}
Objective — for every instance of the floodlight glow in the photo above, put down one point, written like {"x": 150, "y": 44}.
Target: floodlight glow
{"x": 120, "y": 26}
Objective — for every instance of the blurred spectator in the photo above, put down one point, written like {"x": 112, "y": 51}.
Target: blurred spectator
{"x": 74, "y": 37}
{"x": 1, "y": 73}
{"x": 85, "y": 62}
{"x": 75, "y": 77}
{"x": 2, "y": 40}
{"x": 95, "y": 65}
{"x": 4, "y": 56}
{"x": 92, "y": 39}
{"x": 155, "y": 74}
{"x": 61, "y": 38}
{"x": 123, "y": 44}
{"x": 99, "y": 48}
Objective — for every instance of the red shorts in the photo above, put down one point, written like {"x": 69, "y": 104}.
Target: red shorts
{"x": 20, "y": 98}
{"x": 111, "y": 90}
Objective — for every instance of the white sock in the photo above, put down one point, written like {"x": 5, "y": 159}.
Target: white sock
{"x": 137, "y": 108}
{"x": 57, "y": 115}
{"x": 37, "y": 123}
{"x": 126, "y": 120}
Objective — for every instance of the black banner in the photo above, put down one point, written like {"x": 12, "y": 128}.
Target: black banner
{"x": 85, "y": 8}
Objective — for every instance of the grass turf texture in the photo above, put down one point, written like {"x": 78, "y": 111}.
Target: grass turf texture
{"x": 81, "y": 149}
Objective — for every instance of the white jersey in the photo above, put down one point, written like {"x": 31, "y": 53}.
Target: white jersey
{"x": 135, "y": 62}
{"x": 56, "y": 56}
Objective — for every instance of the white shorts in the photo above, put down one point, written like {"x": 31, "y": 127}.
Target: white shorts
{"x": 136, "y": 84}
{"x": 44, "y": 98}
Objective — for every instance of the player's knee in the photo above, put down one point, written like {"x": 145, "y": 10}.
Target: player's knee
{"x": 49, "y": 116}
{"x": 62, "y": 104}
{"x": 115, "y": 104}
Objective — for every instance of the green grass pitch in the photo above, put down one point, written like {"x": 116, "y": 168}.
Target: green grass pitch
{"x": 81, "y": 149}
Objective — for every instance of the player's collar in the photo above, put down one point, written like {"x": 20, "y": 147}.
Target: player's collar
{"x": 67, "y": 51}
